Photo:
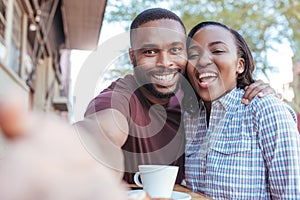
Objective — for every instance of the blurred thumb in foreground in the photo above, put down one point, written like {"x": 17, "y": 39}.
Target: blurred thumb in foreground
{"x": 44, "y": 159}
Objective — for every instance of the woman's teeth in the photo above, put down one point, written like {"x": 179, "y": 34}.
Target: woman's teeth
{"x": 204, "y": 76}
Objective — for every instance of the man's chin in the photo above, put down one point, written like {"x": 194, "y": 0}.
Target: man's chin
{"x": 150, "y": 88}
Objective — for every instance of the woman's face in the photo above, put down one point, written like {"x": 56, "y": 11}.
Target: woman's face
{"x": 213, "y": 63}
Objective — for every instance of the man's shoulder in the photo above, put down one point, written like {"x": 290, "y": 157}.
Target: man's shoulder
{"x": 116, "y": 95}
{"x": 125, "y": 84}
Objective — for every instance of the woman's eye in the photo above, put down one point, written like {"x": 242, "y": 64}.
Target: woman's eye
{"x": 176, "y": 49}
{"x": 218, "y": 51}
{"x": 193, "y": 56}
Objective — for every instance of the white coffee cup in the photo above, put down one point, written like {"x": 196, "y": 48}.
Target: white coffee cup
{"x": 157, "y": 180}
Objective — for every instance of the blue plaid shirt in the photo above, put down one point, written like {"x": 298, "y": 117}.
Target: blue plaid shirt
{"x": 247, "y": 152}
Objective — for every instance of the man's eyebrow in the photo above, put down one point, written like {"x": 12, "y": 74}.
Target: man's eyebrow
{"x": 177, "y": 43}
{"x": 150, "y": 45}
{"x": 146, "y": 46}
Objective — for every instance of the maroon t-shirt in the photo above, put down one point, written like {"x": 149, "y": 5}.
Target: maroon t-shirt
{"x": 156, "y": 133}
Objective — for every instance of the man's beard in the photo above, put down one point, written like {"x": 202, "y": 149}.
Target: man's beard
{"x": 150, "y": 88}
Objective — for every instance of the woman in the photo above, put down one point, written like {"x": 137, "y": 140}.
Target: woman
{"x": 235, "y": 151}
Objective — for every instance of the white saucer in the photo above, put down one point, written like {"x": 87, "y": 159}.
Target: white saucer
{"x": 180, "y": 196}
{"x": 175, "y": 195}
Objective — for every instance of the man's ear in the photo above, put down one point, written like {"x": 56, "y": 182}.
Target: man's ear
{"x": 131, "y": 56}
{"x": 241, "y": 66}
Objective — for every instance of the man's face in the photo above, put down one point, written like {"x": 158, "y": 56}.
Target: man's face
{"x": 159, "y": 56}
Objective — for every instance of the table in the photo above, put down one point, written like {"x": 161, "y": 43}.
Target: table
{"x": 195, "y": 195}
{"x": 180, "y": 188}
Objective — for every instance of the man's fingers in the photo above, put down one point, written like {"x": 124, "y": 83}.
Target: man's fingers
{"x": 13, "y": 115}
{"x": 258, "y": 88}
{"x": 266, "y": 91}
{"x": 249, "y": 89}
{"x": 279, "y": 96}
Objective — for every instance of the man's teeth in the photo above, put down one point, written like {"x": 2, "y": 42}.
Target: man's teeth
{"x": 168, "y": 77}
{"x": 207, "y": 75}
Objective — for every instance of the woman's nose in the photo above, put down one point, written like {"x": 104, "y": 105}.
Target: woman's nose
{"x": 204, "y": 60}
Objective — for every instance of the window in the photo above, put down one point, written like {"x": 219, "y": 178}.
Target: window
{"x": 3, "y": 4}
{"x": 3, "y": 7}
{"x": 14, "y": 56}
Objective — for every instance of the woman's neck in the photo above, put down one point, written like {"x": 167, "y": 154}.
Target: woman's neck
{"x": 207, "y": 105}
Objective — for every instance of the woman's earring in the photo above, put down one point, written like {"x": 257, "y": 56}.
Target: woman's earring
{"x": 240, "y": 70}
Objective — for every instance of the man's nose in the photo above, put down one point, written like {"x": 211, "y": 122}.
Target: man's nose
{"x": 164, "y": 59}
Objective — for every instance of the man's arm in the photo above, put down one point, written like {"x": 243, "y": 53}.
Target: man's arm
{"x": 258, "y": 88}
{"x": 102, "y": 134}
{"x": 113, "y": 124}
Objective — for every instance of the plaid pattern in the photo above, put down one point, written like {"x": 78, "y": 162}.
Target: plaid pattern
{"x": 248, "y": 152}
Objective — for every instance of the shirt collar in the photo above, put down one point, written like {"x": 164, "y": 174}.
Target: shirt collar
{"x": 231, "y": 100}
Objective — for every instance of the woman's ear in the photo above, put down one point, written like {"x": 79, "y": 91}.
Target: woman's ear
{"x": 241, "y": 66}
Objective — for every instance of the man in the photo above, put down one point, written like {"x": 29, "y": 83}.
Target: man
{"x": 141, "y": 113}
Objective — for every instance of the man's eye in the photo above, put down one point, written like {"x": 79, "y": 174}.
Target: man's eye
{"x": 149, "y": 52}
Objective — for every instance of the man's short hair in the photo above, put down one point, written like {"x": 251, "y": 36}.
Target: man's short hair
{"x": 153, "y": 14}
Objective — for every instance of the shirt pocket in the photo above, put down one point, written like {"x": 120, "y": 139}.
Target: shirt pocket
{"x": 196, "y": 147}
{"x": 230, "y": 146}
{"x": 191, "y": 150}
